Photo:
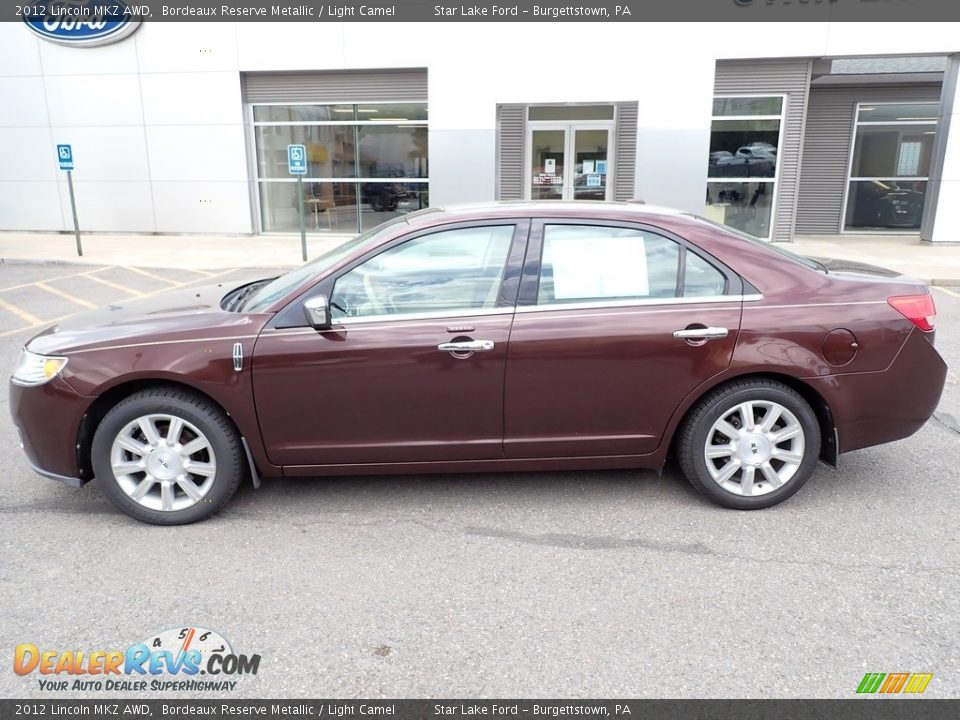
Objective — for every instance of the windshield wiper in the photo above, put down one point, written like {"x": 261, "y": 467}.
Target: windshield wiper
{"x": 239, "y": 299}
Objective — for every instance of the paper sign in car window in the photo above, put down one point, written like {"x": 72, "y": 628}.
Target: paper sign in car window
{"x": 594, "y": 267}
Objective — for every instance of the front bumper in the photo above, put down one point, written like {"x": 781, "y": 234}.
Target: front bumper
{"x": 47, "y": 418}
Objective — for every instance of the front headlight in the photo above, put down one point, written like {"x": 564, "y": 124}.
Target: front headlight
{"x": 33, "y": 369}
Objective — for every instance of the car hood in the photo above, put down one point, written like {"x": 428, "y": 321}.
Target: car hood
{"x": 192, "y": 313}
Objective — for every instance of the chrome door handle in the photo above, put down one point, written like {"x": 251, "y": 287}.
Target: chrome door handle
{"x": 465, "y": 346}
{"x": 707, "y": 333}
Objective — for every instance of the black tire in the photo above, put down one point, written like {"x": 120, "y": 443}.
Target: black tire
{"x": 692, "y": 440}
{"x": 192, "y": 408}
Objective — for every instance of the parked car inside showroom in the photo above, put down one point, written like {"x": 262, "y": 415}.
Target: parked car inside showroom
{"x": 528, "y": 336}
{"x": 878, "y": 204}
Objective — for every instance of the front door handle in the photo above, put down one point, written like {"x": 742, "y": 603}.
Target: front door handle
{"x": 466, "y": 346}
{"x": 701, "y": 333}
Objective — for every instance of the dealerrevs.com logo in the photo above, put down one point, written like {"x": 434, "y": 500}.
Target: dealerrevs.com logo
{"x": 179, "y": 659}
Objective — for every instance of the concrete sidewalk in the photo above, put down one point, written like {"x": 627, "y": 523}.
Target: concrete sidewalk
{"x": 932, "y": 264}
{"x": 190, "y": 252}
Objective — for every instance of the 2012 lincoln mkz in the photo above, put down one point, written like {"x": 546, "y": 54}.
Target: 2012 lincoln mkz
{"x": 508, "y": 337}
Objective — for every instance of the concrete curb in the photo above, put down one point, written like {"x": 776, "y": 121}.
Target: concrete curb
{"x": 96, "y": 263}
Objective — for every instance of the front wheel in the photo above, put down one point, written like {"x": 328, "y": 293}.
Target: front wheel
{"x": 750, "y": 444}
{"x": 167, "y": 457}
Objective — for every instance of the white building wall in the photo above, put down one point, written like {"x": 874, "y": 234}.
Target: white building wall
{"x": 156, "y": 120}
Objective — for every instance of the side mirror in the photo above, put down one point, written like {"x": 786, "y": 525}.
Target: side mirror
{"x": 318, "y": 313}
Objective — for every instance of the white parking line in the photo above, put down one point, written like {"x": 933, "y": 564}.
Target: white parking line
{"x": 65, "y": 295}
{"x": 116, "y": 286}
{"x": 19, "y": 312}
{"x": 35, "y": 322}
{"x": 54, "y": 279}
{"x": 150, "y": 275}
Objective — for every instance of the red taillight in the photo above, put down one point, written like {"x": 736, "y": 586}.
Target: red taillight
{"x": 918, "y": 309}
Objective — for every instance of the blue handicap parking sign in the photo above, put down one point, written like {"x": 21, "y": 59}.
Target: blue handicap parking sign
{"x": 297, "y": 159}
{"x": 65, "y": 157}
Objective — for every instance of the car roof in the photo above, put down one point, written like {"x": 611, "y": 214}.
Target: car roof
{"x": 550, "y": 208}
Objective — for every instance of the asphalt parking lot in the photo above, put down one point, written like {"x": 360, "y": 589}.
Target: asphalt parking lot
{"x": 596, "y": 584}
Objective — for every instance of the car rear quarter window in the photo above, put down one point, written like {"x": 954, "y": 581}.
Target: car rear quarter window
{"x": 701, "y": 279}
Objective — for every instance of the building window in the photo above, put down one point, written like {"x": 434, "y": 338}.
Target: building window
{"x": 366, "y": 164}
{"x": 890, "y": 166}
{"x": 742, "y": 169}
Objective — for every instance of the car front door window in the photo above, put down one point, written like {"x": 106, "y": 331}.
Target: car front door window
{"x": 445, "y": 272}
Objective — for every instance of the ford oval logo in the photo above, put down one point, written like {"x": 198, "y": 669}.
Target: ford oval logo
{"x": 83, "y": 23}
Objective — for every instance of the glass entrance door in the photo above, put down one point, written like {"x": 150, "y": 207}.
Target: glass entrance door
{"x": 548, "y": 162}
{"x": 569, "y": 162}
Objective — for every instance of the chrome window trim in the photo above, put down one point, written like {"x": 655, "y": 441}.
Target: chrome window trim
{"x": 644, "y": 302}
{"x": 594, "y": 313}
{"x": 390, "y": 320}
{"x": 435, "y": 315}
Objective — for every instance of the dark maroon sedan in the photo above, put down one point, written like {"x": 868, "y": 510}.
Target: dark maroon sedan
{"x": 512, "y": 337}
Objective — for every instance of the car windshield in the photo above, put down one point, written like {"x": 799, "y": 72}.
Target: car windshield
{"x": 800, "y": 259}
{"x": 280, "y": 286}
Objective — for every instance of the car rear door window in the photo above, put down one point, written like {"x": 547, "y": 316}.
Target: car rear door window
{"x": 586, "y": 263}
{"x": 609, "y": 264}
{"x": 452, "y": 270}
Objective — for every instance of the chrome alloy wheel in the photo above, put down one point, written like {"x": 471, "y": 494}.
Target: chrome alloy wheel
{"x": 163, "y": 462}
{"x": 754, "y": 448}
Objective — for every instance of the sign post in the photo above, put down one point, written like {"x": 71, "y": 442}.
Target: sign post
{"x": 65, "y": 157}
{"x": 297, "y": 165}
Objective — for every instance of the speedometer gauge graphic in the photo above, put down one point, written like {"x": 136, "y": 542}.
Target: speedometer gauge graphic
{"x": 181, "y": 640}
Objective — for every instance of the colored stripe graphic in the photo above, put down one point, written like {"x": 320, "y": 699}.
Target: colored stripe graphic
{"x": 870, "y": 682}
{"x": 918, "y": 682}
{"x": 893, "y": 683}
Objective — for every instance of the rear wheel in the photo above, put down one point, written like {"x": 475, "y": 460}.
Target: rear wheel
{"x": 750, "y": 444}
{"x": 167, "y": 457}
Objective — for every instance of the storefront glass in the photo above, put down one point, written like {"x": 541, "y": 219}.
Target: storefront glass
{"x": 327, "y": 206}
{"x": 746, "y": 206}
{"x": 366, "y": 164}
{"x": 890, "y": 166}
{"x": 742, "y": 164}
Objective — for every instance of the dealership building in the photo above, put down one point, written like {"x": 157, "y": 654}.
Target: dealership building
{"x": 776, "y": 129}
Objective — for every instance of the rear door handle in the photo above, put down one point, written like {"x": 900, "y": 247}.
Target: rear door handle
{"x": 466, "y": 346}
{"x": 702, "y": 333}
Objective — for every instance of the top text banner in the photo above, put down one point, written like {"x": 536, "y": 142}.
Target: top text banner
{"x": 57, "y": 12}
